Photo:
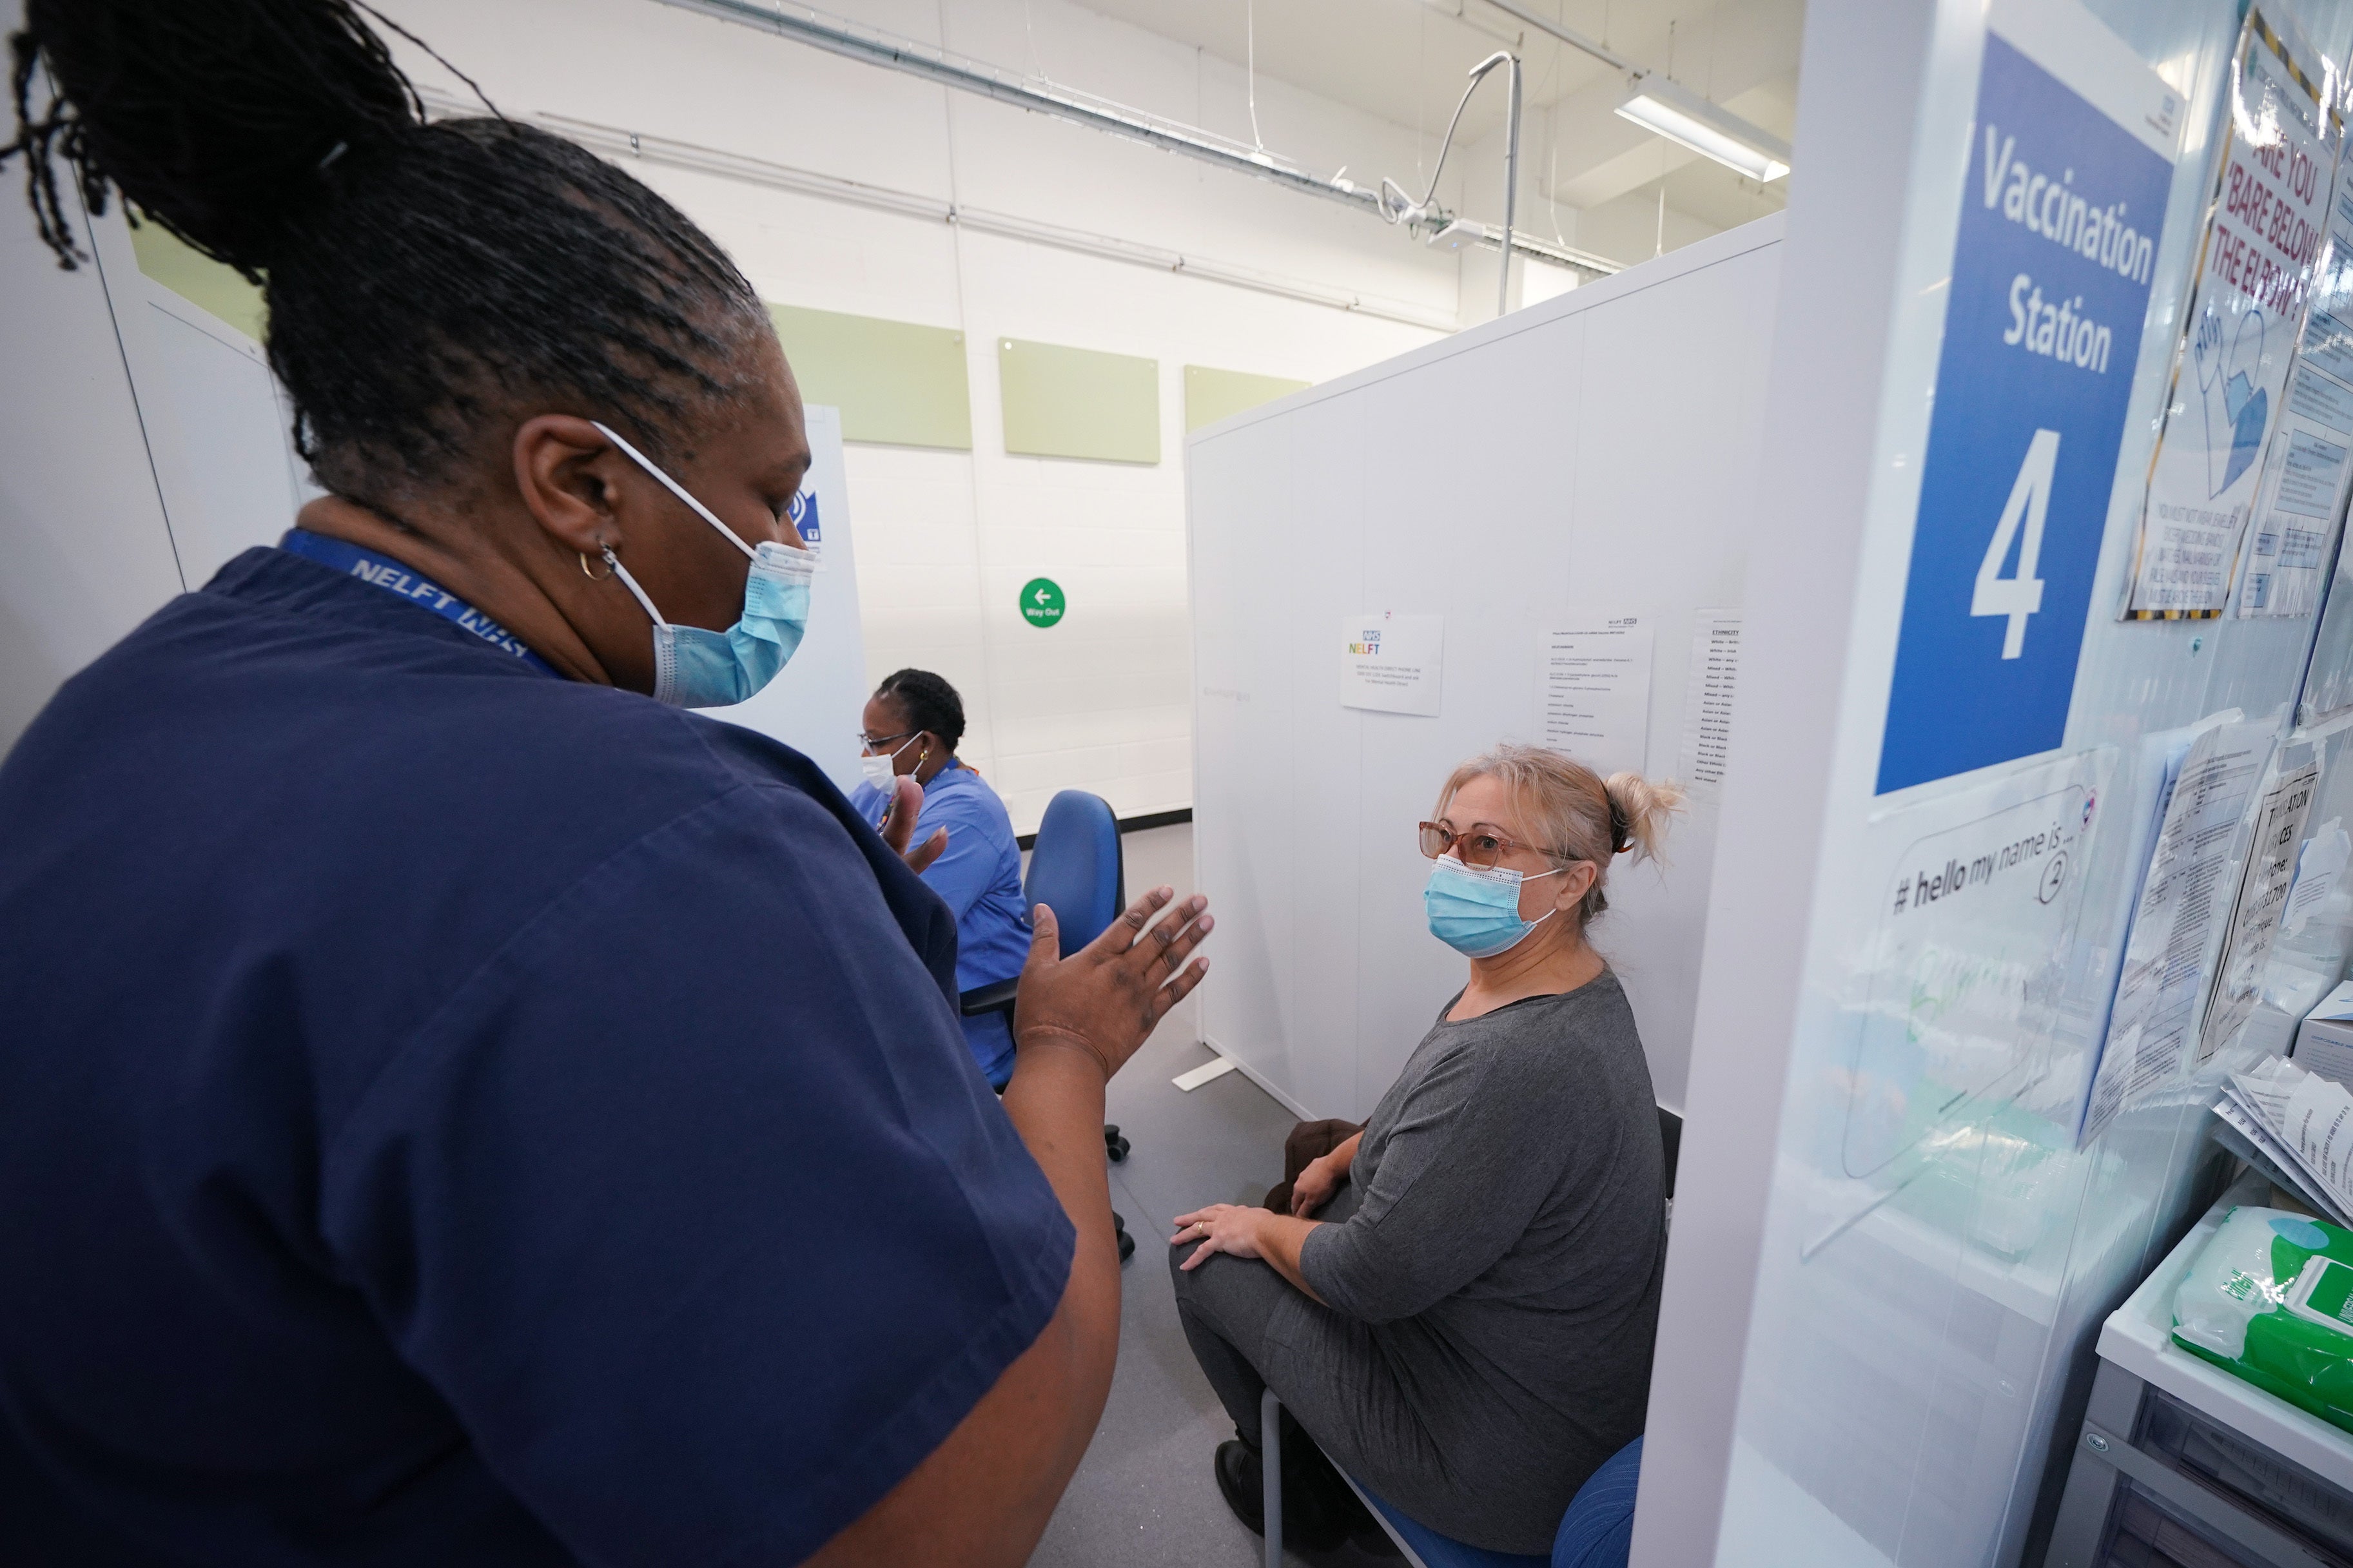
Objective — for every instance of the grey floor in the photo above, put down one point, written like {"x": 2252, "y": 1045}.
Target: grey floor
{"x": 1144, "y": 1494}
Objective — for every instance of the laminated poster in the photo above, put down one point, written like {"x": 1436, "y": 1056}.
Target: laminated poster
{"x": 2301, "y": 497}
{"x": 2261, "y": 902}
{"x": 2255, "y": 266}
{"x": 2184, "y": 897}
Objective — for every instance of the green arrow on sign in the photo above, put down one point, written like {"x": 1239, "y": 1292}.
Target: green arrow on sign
{"x": 1041, "y": 601}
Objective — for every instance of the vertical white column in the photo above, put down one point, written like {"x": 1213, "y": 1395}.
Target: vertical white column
{"x": 1864, "y": 66}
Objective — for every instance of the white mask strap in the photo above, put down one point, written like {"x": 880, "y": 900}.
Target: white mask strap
{"x": 631, "y": 584}
{"x": 671, "y": 485}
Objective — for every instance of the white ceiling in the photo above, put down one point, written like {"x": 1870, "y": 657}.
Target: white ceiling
{"x": 1405, "y": 61}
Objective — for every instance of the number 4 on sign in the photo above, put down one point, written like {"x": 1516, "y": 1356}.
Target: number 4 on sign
{"x": 2030, "y": 497}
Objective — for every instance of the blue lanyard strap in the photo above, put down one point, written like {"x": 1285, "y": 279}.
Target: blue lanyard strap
{"x": 412, "y": 585}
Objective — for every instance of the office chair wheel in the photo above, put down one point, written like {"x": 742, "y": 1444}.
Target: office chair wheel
{"x": 1114, "y": 1145}
{"x": 1118, "y": 1231}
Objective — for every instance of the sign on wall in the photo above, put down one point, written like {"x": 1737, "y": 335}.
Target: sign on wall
{"x": 2255, "y": 261}
{"x": 1042, "y": 602}
{"x": 1392, "y": 663}
{"x": 2070, "y": 161}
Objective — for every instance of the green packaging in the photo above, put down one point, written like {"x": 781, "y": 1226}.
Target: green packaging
{"x": 2269, "y": 1299}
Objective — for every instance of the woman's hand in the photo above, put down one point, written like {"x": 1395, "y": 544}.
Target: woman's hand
{"x": 1314, "y": 1187}
{"x": 899, "y": 827}
{"x": 1229, "y": 1228}
{"x": 1107, "y": 997}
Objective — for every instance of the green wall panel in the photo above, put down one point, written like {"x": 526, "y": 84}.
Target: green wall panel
{"x": 1211, "y": 394}
{"x": 1079, "y": 403}
{"x": 197, "y": 278}
{"x": 896, "y": 383}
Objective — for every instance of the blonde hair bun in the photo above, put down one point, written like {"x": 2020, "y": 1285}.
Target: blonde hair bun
{"x": 1642, "y": 806}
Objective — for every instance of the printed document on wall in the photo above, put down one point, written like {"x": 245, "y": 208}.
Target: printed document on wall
{"x": 2327, "y": 354}
{"x": 2184, "y": 900}
{"x": 2071, "y": 163}
{"x": 1391, "y": 662}
{"x": 1708, "y": 692}
{"x": 2263, "y": 884}
{"x": 2255, "y": 265}
{"x": 2305, "y": 476}
{"x": 1593, "y": 690}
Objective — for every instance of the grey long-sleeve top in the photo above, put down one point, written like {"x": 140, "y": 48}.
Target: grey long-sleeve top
{"x": 1508, "y": 1236}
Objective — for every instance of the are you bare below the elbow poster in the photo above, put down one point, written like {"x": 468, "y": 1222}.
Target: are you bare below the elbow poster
{"x": 2071, "y": 159}
{"x": 2230, "y": 394}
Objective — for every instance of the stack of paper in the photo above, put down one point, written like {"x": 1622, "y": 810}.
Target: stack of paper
{"x": 2301, "y": 1127}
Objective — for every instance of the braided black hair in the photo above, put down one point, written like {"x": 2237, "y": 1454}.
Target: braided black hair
{"x": 928, "y": 700}
{"x": 421, "y": 279}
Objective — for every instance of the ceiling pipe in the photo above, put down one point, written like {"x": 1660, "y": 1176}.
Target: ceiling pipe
{"x": 1570, "y": 36}
{"x": 872, "y": 47}
{"x": 1511, "y": 191}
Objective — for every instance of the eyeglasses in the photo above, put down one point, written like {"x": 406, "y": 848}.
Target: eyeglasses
{"x": 1481, "y": 846}
{"x": 876, "y": 743}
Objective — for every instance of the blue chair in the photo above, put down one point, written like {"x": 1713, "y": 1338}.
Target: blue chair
{"x": 1597, "y": 1531}
{"x": 1078, "y": 868}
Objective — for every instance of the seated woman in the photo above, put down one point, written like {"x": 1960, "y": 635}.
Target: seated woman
{"x": 1460, "y": 1305}
{"x": 912, "y": 723}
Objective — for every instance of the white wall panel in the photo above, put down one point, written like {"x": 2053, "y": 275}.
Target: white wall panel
{"x": 84, "y": 552}
{"x": 1594, "y": 452}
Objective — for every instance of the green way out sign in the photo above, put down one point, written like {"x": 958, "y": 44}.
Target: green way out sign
{"x": 1041, "y": 601}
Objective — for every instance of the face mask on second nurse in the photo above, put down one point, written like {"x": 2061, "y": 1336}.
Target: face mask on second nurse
{"x": 698, "y": 669}
{"x": 879, "y": 769}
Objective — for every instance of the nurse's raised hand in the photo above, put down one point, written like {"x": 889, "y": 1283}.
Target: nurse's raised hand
{"x": 1107, "y": 997}
{"x": 899, "y": 827}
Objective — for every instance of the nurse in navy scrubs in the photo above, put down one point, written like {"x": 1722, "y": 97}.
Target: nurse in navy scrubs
{"x": 456, "y": 1104}
{"x": 911, "y": 726}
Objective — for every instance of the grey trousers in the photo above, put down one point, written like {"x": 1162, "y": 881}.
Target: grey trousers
{"x": 1250, "y": 1331}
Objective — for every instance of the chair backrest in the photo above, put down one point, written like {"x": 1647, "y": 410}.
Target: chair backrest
{"x": 1077, "y": 867}
{"x": 1597, "y": 1531}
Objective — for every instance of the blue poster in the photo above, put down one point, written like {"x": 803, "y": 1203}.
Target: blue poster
{"x": 803, "y": 512}
{"x": 2050, "y": 277}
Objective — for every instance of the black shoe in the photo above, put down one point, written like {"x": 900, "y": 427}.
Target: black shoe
{"x": 1310, "y": 1521}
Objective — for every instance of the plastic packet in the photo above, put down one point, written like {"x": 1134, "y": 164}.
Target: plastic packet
{"x": 2270, "y": 1299}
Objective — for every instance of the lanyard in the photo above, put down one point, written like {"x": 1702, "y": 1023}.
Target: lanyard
{"x": 412, "y": 585}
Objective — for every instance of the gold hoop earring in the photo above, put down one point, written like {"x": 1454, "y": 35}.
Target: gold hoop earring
{"x": 591, "y": 575}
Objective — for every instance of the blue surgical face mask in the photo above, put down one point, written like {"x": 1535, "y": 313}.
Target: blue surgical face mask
{"x": 1476, "y": 912}
{"x": 698, "y": 669}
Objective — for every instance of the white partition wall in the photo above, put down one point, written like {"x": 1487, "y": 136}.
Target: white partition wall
{"x": 84, "y": 552}
{"x": 1876, "y": 1355}
{"x": 1592, "y": 457}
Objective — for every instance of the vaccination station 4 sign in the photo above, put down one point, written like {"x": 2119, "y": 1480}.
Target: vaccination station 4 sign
{"x": 1972, "y": 966}
{"x": 2064, "y": 196}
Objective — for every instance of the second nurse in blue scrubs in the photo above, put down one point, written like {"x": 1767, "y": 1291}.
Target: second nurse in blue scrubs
{"x": 913, "y": 724}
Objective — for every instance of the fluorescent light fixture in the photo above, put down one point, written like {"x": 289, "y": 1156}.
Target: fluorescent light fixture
{"x": 1682, "y": 116}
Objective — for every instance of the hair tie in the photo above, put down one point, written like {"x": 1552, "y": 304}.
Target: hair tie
{"x": 1618, "y": 844}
